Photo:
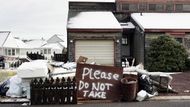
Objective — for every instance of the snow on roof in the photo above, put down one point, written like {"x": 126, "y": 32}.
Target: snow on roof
{"x": 162, "y": 20}
{"x": 52, "y": 46}
{"x": 36, "y": 43}
{"x": 12, "y": 42}
{"x": 111, "y": 1}
{"x": 61, "y": 37}
{"x": 127, "y": 25}
{"x": 63, "y": 44}
{"x": 3, "y": 37}
{"x": 56, "y": 38}
{"x": 94, "y": 20}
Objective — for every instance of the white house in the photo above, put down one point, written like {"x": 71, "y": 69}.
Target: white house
{"x": 36, "y": 45}
{"x": 12, "y": 47}
{"x": 56, "y": 44}
{"x": 50, "y": 48}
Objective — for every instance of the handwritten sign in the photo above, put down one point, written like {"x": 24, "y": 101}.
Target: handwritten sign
{"x": 98, "y": 82}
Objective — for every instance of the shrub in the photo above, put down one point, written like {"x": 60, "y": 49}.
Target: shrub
{"x": 165, "y": 55}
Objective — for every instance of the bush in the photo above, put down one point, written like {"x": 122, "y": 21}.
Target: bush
{"x": 165, "y": 55}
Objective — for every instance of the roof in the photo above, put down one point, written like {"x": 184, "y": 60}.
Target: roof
{"x": 94, "y": 20}
{"x": 63, "y": 44}
{"x": 53, "y": 46}
{"x": 3, "y": 36}
{"x": 162, "y": 21}
{"x": 56, "y": 38}
{"x": 111, "y": 1}
{"x": 36, "y": 43}
{"x": 12, "y": 42}
{"x": 155, "y": 1}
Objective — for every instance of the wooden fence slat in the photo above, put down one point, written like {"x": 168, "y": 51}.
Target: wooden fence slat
{"x": 50, "y": 91}
{"x": 35, "y": 56}
{"x": 62, "y": 57}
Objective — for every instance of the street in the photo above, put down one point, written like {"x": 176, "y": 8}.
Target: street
{"x": 169, "y": 103}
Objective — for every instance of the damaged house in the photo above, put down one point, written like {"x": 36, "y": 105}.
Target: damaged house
{"x": 137, "y": 23}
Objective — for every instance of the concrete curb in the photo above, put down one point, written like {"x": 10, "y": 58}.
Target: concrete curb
{"x": 157, "y": 98}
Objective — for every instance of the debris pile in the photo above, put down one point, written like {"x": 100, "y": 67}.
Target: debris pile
{"x": 145, "y": 85}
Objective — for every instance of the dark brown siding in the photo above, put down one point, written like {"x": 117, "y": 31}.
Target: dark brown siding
{"x": 91, "y": 6}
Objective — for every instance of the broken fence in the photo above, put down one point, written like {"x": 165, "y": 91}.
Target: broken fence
{"x": 50, "y": 91}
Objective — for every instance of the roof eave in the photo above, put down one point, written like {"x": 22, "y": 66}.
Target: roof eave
{"x": 94, "y": 30}
{"x": 166, "y": 30}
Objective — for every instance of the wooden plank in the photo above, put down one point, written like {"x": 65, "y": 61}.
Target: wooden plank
{"x": 98, "y": 82}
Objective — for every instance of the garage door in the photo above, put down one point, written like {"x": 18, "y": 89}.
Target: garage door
{"x": 99, "y": 51}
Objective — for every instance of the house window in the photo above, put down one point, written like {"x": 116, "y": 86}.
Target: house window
{"x": 179, "y": 7}
{"x": 169, "y": 7}
{"x": 9, "y": 51}
{"x": 125, "y": 7}
{"x": 13, "y": 52}
{"x": 178, "y": 39}
{"x": 41, "y": 51}
{"x": 49, "y": 51}
{"x": 152, "y": 7}
{"x": 142, "y": 7}
{"x": 45, "y": 51}
{"x": 186, "y": 7}
{"x": 156, "y": 7}
{"x": 130, "y": 7}
{"x": 124, "y": 41}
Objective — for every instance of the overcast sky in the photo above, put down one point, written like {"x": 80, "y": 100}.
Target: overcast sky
{"x": 33, "y": 18}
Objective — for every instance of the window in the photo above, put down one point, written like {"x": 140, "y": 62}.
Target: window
{"x": 182, "y": 7}
{"x": 180, "y": 40}
{"x": 156, "y": 7}
{"x": 152, "y": 7}
{"x": 159, "y": 7}
{"x": 9, "y": 51}
{"x": 41, "y": 51}
{"x": 187, "y": 44}
{"x": 13, "y": 51}
{"x": 186, "y": 7}
{"x": 142, "y": 7}
{"x": 49, "y": 51}
{"x": 130, "y": 7}
{"x": 178, "y": 7}
{"x": 45, "y": 51}
{"x": 169, "y": 7}
{"x": 124, "y": 41}
{"x": 125, "y": 7}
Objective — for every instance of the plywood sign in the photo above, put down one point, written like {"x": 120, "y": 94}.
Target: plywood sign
{"x": 98, "y": 82}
